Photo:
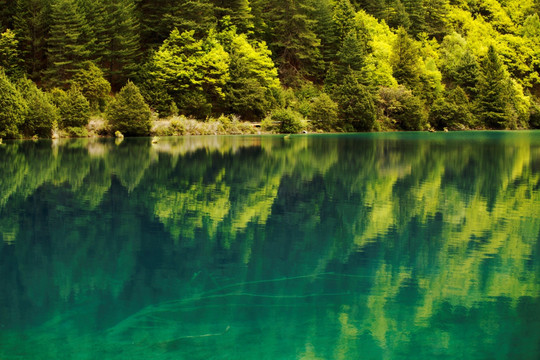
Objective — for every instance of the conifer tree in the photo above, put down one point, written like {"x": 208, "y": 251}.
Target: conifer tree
{"x": 90, "y": 80}
{"x": 122, "y": 49}
{"x": 405, "y": 60}
{"x": 8, "y": 9}
{"x": 31, "y": 26}
{"x": 493, "y": 95}
{"x": 253, "y": 81}
{"x": 356, "y": 106}
{"x": 13, "y": 108}
{"x": 343, "y": 19}
{"x": 325, "y": 28}
{"x": 42, "y": 115}
{"x": 129, "y": 113}
{"x": 73, "y": 107}
{"x": 292, "y": 40}
{"x": 239, "y": 12}
{"x": 67, "y": 48}
{"x": 10, "y": 58}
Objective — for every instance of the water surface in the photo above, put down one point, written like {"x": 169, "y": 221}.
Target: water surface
{"x": 370, "y": 246}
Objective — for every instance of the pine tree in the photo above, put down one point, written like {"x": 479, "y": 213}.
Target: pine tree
{"x": 42, "y": 115}
{"x": 352, "y": 56}
{"x": 193, "y": 72}
{"x": 405, "y": 60}
{"x": 254, "y": 83}
{"x": 356, "y": 107}
{"x": 292, "y": 40}
{"x": 74, "y": 109}
{"x": 90, "y": 80}
{"x": 122, "y": 49}
{"x": 31, "y": 26}
{"x": 66, "y": 47}
{"x": 239, "y": 11}
{"x": 325, "y": 29}
{"x": 10, "y": 58}
{"x": 13, "y": 108}
{"x": 8, "y": 9}
{"x": 129, "y": 113}
{"x": 344, "y": 19}
{"x": 493, "y": 96}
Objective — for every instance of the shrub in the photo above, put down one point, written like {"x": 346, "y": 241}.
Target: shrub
{"x": 129, "y": 113}
{"x": 324, "y": 112}
{"x": 452, "y": 112}
{"x": 13, "y": 108}
{"x": 290, "y": 122}
{"x": 356, "y": 106}
{"x": 42, "y": 115}
{"x": 534, "y": 117}
{"x": 73, "y": 107}
{"x": 401, "y": 108}
{"x": 92, "y": 84}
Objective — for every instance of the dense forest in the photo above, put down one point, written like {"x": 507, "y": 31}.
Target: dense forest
{"x": 320, "y": 65}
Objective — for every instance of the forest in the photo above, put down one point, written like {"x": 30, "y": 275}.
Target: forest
{"x": 76, "y": 68}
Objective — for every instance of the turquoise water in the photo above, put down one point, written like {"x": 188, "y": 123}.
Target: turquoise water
{"x": 371, "y": 246}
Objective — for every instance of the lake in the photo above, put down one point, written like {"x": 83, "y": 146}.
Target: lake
{"x": 364, "y": 246}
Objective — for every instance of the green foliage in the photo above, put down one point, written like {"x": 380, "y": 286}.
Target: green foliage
{"x": 290, "y": 122}
{"x": 534, "y": 116}
{"x": 324, "y": 113}
{"x": 356, "y": 107}
{"x": 193, "y": 72}
{"x": 251, "y": 91}
{"x": 13, "y": 108}
{"x": 129, "y": 113}
{"x": 67, "y": 47}
{"x": 406, "y": 60}
{"x": 401, "y": 109}
{"x": 73, "y": 107}
{"x": 92, "y": 84}
{"x": 10, "y": 58}
{"x": 42, "y": 115}
{"x": 452, "y": 111}
{"x": 493, "y": 92}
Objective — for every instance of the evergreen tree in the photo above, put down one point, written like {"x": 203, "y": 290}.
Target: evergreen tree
{"x": 13, "y": 108}
{"x": 10, "y": 58}
{"x": 8, "y": 9}
{"x": 356, "y": 107}
{"x": 458, "y": 64}
{"x": 452, "y": 111}
{"x": 401, "y": 108}
{"x": 325, "y": 29}
{"x": 42, "y": 115}
{"x": 193, "y": 72}
{"x": 31, "y": 26}
{"x": 122, "y": 49}
{"x": 66, "y": 46}
{"x": 239, "y": 11}
{"x": 493, "y": 96}
{"x": 406, "y": 60}
{"x": 129, "y": 113}
{"x": 90, "y": 80}
{"x": 344, "y": 19}
{"x": 73, "y": 107}
{"x": 253, "y": 82}
{"x": 352, "y": 57}
{"x": 292, "y": 39}
{"x": 416, "y": 11}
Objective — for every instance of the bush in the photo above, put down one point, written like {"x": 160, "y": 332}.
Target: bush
{"x": 401, "y": 108}
{"x": 452, "y": 111}
{"x": 73, "y": 107}
{"x": 42, "y": 115}
{"x": 290, "y": 122}
{"x": 76, "y": 132}
{"x": 129, "y": 113}
{"x": 13, "y": 108}
{"x": 324, "y": 112}
{"x": 534, "y": 116}
{"x": 356, "y": 106}
{"x": 92, "y": 84}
